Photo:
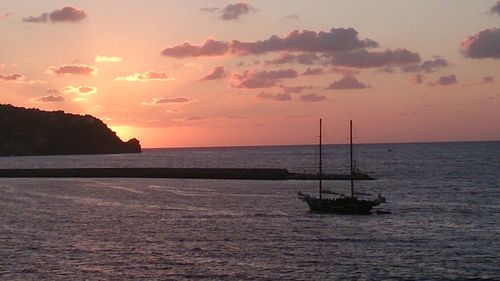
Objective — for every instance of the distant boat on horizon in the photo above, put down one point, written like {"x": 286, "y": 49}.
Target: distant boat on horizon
{"x": 339, "y": 203}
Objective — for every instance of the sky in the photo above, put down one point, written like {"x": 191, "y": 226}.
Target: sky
{"x": 229, "y": 73}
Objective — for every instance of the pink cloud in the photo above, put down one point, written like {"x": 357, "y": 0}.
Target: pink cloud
{"x": 145, "y": 77}
{"x": 365, "y": 59}
{"x": 484, "y": 44}
{"x": 234, "y": 11}
{"x": 496, "y": 8}
{"x": 86, "y": 89}
{"x": 64, "y": 14}
{"x": 210, "y": 9}
{"x": 426, "y": 66}
{"x": 313, "y": 97}
{"x": 171, "y": 100}
{"x": 417, "y": 79}
{"x": 347, "y": 82}
{"x": 335, "y": 40}
{"x": 37, "y": 19}
{"x": 292, "y": 17}
{"x": 99, "y": 58}
{"x": 231, "y": 11}
{"x": 445, "y": 81}
{"x": 487, "y": 80}
{"x": 49, "y": 98}
{"x": 5, "y": 15}
{"x": 209, "y": 48}
{"x": 67, "y": 13}
{"x": 308, "y": 58}
{"x": 295, "y": 90}
{"x": 80, "y": 90}
{"x": 12, "y": 77}
{"x": 217, "y": 73}
{"x": 274, "y": 97}
{"x": 191, "y": 119}
{"x": 262, "y": 79}
{"x": 53, "y": 91}
{"x": 194, "y": 118}
{"x": 313, "y": 71}
{"x": 345, "y": 71}
{"x": 72, "y": 69}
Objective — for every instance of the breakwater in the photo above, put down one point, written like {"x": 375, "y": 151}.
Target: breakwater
{"x": 180, "y": 173}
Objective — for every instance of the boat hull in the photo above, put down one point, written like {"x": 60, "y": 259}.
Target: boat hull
{"x": 345, "y": 205}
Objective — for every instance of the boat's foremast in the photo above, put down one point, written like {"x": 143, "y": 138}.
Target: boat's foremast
{"x": 320, "y": 162}
{"x": 352, "y": 166}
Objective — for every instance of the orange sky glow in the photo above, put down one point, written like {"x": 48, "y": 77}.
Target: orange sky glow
{"x": 224, "y": 73}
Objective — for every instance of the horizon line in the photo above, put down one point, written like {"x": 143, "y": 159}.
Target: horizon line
{"x": 312, "y": 144}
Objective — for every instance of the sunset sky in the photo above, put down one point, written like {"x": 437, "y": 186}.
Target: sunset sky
{"x": 218, "y": 73}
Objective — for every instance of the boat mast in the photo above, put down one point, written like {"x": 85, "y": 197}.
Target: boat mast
{"x": 352, "y": 166}
{"x": 320, "y": 171}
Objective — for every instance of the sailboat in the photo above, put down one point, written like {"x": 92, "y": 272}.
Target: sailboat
{"x": 339, "y": 203}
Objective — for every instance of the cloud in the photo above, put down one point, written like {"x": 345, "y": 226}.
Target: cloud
{"x": 53, "y": 91}
{"x": 426, "y": 66}
{"x": 347, "y": 82}
{"x": 18, "y": 79}
{"x": 191, "y": 119}
{"x": 80, "y": 90}
{"x": 64, "y": 14}
{"x": 67, "y": 13}
{"x": 262, "y": 79}
{"x": 72, "y": 69}
{"x": 209, "y": 48}
{"x": 49, "y": 98}
{"x": 145, "y": 77}
{"x": 274, "y": 97}
{"x": 313, "y": 71}
{"x": 366, "y": 59}
{"x": 107, "y": 59}
{"x": 295, "y": 90}
{"x": 345, "y": 71}
{"x": 487, "y": 80}
{"x": 231, "y": 11}
{"x": 292, "y": 17}
{"x": 187, "y": 65}
{"x": 5, "y": 15}
{"x": 12, "y": 77}
{"x": 445, "y": 81}
{"x": 163, "y": 100}
{"x": 38, "y": 19}
{"x": 484, "y": 44}
{"x": 496, "y": 8}
{"x": 386, "y": 69}
{"x": 417, "y": 79}
{"x": 234, "y": 11}
{"x": 335, "y": 40}
{"x": 210, "y": 9}
{"x": 217, "y": 73}
{"x": 308, "y": 59}
{"x": 313, "y": 97}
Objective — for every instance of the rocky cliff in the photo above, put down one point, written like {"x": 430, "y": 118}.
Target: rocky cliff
{"x": 35, "y": 132}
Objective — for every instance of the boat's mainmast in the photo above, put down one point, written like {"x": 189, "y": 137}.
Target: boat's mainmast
{"x": 320, "y": 170}
{"x": 352, "y": 166}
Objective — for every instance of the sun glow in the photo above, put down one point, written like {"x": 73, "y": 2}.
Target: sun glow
{"x": 124, "y": 132}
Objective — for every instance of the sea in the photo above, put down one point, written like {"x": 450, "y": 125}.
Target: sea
{"x": 444, "y": 224}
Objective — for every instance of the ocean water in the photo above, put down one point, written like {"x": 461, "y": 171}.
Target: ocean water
{"x": 445, "y": 221}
